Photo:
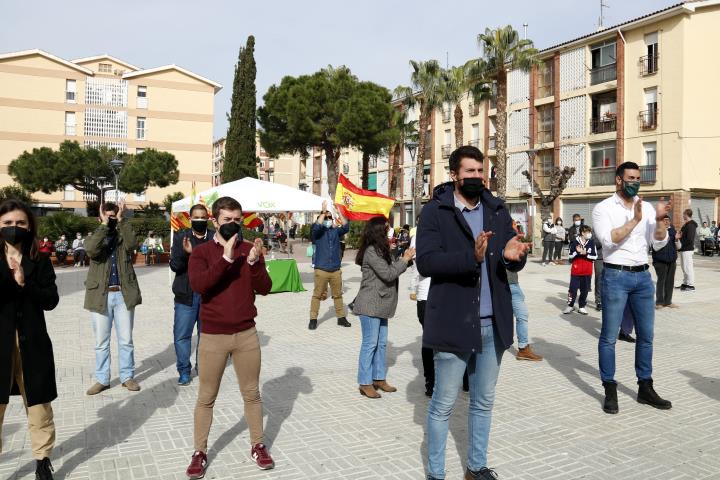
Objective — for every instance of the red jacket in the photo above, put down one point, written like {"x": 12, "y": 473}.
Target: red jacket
{"x": 227, "y": 289}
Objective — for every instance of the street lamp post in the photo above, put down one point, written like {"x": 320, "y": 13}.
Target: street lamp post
{"x": 412, "y": 148}
{"x": 532, "y": 153}
{"x": 100, "y": 181}
{"x": 116, "y": 164}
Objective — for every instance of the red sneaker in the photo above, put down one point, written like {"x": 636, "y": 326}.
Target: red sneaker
{"x": 262, "y": 457}
{"x": 197, "y": 467}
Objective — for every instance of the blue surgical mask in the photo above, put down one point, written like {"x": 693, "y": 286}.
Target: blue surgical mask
{"x": 327, "y": 223}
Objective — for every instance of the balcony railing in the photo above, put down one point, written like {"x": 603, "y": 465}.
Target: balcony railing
{"x": 446, "y": 151}
{"x": 446, "y": 116}
{"x": 649, "y": 64}
{"x": 492, "y": 142}
{"x": 648, "y": 119}
{"x": 603, "y": 125}
{"x": 603, "y": 74}
{"x": 474, "y": 143}
{"x": 70, "y": 129}
{"x": 474, "y": 109}
{"x": 602, "y": 176}
{"x": 648, "y": 173}
{"x": 140, "y": 133}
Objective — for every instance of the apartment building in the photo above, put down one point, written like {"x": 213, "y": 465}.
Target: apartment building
{"x": 640, "y": 91}
{"x": 105, "y": 101}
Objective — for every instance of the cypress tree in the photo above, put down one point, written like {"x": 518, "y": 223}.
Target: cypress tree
{"x": 240, "y": 157}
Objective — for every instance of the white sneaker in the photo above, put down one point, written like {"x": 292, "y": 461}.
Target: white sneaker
{"x": 583, "y": 311}
{"x": 568, "y": 310}
{"x": 544, "y": 264}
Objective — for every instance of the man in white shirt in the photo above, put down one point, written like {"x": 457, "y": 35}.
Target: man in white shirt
{"x": 627, "y": 227}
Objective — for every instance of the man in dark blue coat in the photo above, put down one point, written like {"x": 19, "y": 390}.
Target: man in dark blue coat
{"x": 187, "y": 302}
{"x": 466, "y": 245}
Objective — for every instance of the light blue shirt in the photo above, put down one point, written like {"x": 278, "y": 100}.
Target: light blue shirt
{"x": 475, "y": 217}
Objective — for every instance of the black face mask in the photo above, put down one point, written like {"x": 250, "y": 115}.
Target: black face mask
{"x": 112, "y": 224}
{"x": 472, "y": 187}
{"x": 230, "y": 229}
{"x": 15, "y": 235}
{"x": 199, "y": 226}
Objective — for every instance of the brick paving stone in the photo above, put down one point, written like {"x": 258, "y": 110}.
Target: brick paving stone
{"x": 547, "y": 423}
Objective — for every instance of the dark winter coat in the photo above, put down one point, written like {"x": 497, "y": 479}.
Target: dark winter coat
{"x": 22, "y": 314}
{"x": 179, "y": 264}
{"x": 667, "y": 254}
{"x": 446, "y": 254}
{"x": 687, "y": 241}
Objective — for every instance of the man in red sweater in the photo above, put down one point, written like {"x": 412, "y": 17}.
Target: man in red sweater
{"x": 227, "y": 272}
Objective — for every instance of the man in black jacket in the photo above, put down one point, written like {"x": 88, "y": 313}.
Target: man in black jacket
{"x": 466, "y": 242}
{"x": 686, "y": 250}
{"x": 665, "y": 262}
{"x": 187, "y": 302}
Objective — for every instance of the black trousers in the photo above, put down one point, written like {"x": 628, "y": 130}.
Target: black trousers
{"x": 581, "y": 283}
{"x": 665, "y": 282}
{"x": 548, "y": 248}
{"x": 427, "y": 353}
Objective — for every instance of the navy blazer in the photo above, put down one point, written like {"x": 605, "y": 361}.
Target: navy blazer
{"x": 446, "y": 254}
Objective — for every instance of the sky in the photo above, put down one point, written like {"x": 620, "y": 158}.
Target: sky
{"x": 374, "y": 38}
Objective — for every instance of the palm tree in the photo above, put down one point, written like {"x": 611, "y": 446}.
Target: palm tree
{"x": 425, "y": 78}
{"x": 504, "y": 50}
{"x": 454, "y": 90}
{"x": 404, "y": 130}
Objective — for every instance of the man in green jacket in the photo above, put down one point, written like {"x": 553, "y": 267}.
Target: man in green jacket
{"x": 111, "y": 294}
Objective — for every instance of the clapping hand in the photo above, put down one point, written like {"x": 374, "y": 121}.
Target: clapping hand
{"x": 121, "y": 209}
{"x": 638, "y": 210}
{"x": 187, "y": 245}
{"x": 481, "y": 244}
{"x": 662, "y": 208}
{"x": 515, "y": 249}
{"x": 256, "y": 250}
{"x": 408, "y": 255}
{"x": 581, "y": 250}
{"x": 17, "y": 271}
{"x": 229, "y": 247}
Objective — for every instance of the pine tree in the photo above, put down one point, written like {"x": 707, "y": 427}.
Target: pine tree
{"x": 240, "y": 156}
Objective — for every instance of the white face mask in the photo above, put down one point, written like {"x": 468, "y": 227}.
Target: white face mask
{"x": 588, "y": 236}
{"x": 549, "y": 220}
{"x": 559, "y": 224}
{"x": 577, "y": 223}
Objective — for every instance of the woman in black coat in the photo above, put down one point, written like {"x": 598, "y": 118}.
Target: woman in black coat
{"x": 27, "y": 367}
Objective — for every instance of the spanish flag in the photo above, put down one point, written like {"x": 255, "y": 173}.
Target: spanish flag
{"x": 251, "y": 220}
{"x": 357, "y": 204}
{"x": 179, "y": 221}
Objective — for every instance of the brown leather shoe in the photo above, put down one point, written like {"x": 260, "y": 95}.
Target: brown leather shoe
{"x": 97, "y": 388}
{"x": 528, "y": 354}
{"x": 384, "y": 386}
{"x": 369, "y": 391}
{"x": 672, "y": 305}
{"x": 131, "y": 385}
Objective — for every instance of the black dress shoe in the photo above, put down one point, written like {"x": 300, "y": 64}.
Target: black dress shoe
{"x": 44, "y": 470}
{"x": 648, "y": 396}
{"x": 626, "y": 337}
{"x": 482, "y": 474}
{"x": 682, "y": 287}
{"x": 312, "y": 325}
{"x": 342, "y": 322}
{"x": 610, "y": 405}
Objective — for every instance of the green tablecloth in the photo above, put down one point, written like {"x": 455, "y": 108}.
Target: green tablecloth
{"x": 285, "y": 275}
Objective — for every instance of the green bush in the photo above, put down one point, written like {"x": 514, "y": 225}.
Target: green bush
{"x": 304, "y": 231}
{"x": 65, "y": 223}
{"x": 352, "y": 239}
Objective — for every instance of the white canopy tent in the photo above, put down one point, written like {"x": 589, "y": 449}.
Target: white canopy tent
{"x": 258, "y": 196}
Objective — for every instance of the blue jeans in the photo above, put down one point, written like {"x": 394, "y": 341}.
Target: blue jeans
{"x": 520, "y": 311}
{"x": 483, "y": 369}
{"x": 637, "y": 290}
{"x": 123, "y": 319}
{"x": 185, "y": 319}
{"x": 371, "y": 365}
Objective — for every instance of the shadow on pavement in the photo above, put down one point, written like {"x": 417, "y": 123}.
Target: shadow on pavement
{"x": 279, "y": 396}
{"x": 708, "y": 386}
{"x": 566, "y": 361}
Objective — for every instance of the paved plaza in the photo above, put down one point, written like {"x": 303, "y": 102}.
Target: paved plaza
{"x": 548, "y": 422}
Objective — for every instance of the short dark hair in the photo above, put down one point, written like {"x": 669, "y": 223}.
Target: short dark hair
{"x": 466, "y": 151}
{"x": 225, "y": 203}
{"x": 688, "y": 212}
{"x": 576, "y": 215}
{"x": 110, "y": 207}
{"x": 198, "y": 206}
{"x": 585, "y": 228}
{"x": 620, "y": 171}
